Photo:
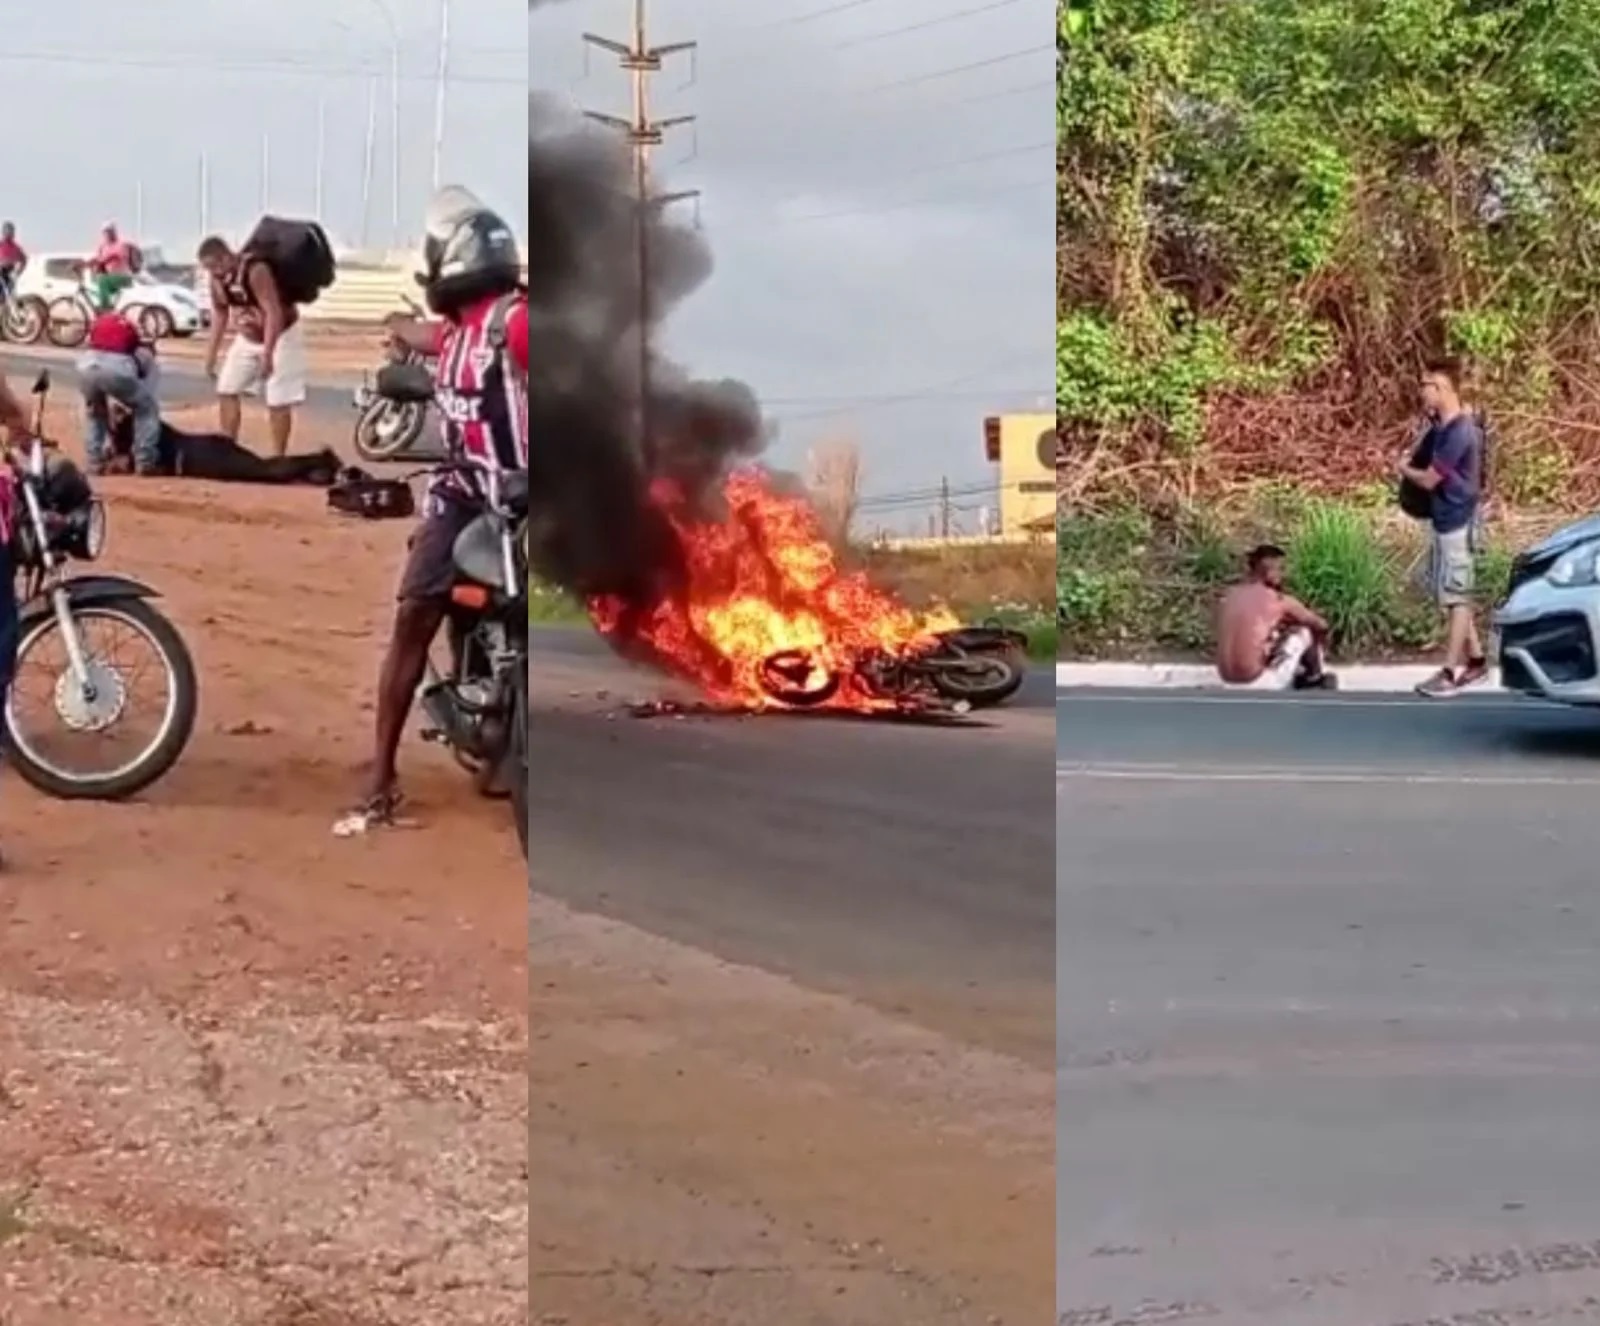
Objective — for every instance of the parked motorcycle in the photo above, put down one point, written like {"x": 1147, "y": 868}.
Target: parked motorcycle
{"x": 60, "y": 520}
{"x": 475, "y": 699}
{"x": 973, "y": 667}
{"x": 392, "y": 411}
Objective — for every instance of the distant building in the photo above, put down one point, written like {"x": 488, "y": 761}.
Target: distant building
{"x": 1024, "y": 447}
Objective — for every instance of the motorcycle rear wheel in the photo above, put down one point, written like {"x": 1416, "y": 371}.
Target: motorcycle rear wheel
{"x": 23, "y": 320}
{"x": 388, "y": 430}
{"x": 517, "y": 757}
{"x": 66, "y": 322}
{"x": 984, "y": 680}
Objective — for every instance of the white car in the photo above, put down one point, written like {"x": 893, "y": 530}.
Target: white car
{"x": 161, "y": 308}
{"x": 1549, "y": 623}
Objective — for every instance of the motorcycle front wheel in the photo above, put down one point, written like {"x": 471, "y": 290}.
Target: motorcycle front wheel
{"x": 796, "y": 679}
{"x": 387, "y": 430}
{"x": 59, "y": 759}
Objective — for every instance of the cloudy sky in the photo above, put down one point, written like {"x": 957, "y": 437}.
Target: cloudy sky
{"x": 876, "y": 185}
{"x": 108, "y": 96}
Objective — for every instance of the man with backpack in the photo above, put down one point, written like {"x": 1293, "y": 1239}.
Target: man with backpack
{"x": 472, "y": 277}
{"x": 258, "y": 292}
{"x": 1441, "y": 479}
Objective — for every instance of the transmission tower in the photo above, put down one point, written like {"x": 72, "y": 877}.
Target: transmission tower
{"x": 641, "y": 60}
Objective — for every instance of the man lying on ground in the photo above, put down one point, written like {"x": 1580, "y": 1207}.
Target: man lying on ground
{"x": 1266, "y": 638}
{"x": 213, "y": 456}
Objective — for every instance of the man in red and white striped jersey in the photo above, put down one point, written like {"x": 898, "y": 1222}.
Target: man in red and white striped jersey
{"x": 472, "y": 276}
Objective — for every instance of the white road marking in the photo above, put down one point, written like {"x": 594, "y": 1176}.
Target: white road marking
{"x": 1169, "y": 773}
{"x": 1474, "y": 705}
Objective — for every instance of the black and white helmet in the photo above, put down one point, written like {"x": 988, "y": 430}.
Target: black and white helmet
{"x": 468, "y": 252}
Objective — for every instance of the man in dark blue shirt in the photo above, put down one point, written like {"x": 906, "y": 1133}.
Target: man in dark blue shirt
{"x": 1453, "y": 477}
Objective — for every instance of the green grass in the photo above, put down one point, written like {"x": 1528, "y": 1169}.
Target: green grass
{"x": 1336, "y": 564}
{"x": 550, "y": 607}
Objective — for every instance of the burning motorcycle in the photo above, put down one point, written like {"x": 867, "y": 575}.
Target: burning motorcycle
{"x": 89, "y": 689}
{"x": 973, "y": 667}
{"x": 475, "y": 700}
{"x": 392, "y": 410}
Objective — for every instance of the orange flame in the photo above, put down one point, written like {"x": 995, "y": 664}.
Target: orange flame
{"x": 761, "y": 582}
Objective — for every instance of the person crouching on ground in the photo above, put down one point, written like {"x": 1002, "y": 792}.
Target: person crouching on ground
{"x": 118, "y": 366}
{"x": 1266, "y": 638}
{"x": 1448, "y": 465}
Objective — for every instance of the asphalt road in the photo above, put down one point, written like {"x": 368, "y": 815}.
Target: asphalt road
{"x": 1328, "y": 1011}
{"x": 907, "y": 865}
{"x": 181, "y": 383}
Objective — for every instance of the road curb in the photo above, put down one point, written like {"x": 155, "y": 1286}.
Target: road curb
{"x": 1359, "y": 678}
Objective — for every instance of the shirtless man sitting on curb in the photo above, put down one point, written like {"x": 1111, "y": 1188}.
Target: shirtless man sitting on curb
{"x": 1267, "y": 639}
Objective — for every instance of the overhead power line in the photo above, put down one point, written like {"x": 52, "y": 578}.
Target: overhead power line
{"x": 910, "y": 204}
{"x": 811, "y": 15}
{"x": 950, "y": 71}
{"x": 193, "y": 65}
{"x": 923, "y": 168}
{"x": 920, "y": 25}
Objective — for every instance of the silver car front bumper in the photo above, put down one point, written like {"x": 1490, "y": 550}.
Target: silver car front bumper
{"x": 1547, "y": 642}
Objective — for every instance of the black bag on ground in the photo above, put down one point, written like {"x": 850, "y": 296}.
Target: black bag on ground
{"x": 355, "y": 492}
{"x": 298, "y": 255}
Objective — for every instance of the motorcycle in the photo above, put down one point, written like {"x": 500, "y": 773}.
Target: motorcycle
{"x": 475, "y": 702}
{"x": 392, "y": 411}
{"x": 972, "y": 667}
{"x": 60, "y": 520}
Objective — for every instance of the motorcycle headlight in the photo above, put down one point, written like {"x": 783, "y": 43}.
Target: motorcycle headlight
{"x": 1576, "y": 568}
{"x": 95, "y": 530}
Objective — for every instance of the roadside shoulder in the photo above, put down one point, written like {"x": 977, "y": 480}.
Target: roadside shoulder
{"x": 1361, "y": 678}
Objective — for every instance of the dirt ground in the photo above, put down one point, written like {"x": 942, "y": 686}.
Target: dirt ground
{"x": 249, "y": 1073}
{"x": 334, "y": 349}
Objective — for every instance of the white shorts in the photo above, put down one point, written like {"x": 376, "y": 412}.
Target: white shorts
{"x": 240, "y": 373}
{"x": 1288, "y": 652}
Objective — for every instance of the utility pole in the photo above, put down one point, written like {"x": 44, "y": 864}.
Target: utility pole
{"x": 945, "y": 513}
{"x": 641, "y": 60}
{"x": 441, "y": 92}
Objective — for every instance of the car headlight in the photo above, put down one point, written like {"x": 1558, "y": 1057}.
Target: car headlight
{"x": 1579, "y": 567}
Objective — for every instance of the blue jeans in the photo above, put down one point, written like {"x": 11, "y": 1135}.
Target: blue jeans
{"x": 130, "y": 381}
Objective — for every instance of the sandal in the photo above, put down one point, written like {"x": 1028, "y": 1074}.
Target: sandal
{"x": 377, "y": 812}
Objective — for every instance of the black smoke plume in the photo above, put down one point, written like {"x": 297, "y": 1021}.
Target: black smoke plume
{"x": 595, "y": 530}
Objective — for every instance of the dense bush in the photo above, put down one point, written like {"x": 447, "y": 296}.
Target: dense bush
{"x": 1270, "y": 212}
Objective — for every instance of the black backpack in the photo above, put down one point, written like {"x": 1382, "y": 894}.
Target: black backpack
{"x": 1417, "y": 502}
{"x": 298, "y": 255}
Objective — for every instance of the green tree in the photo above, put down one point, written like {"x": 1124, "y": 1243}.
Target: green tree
{"x": 1293, "y": 200}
